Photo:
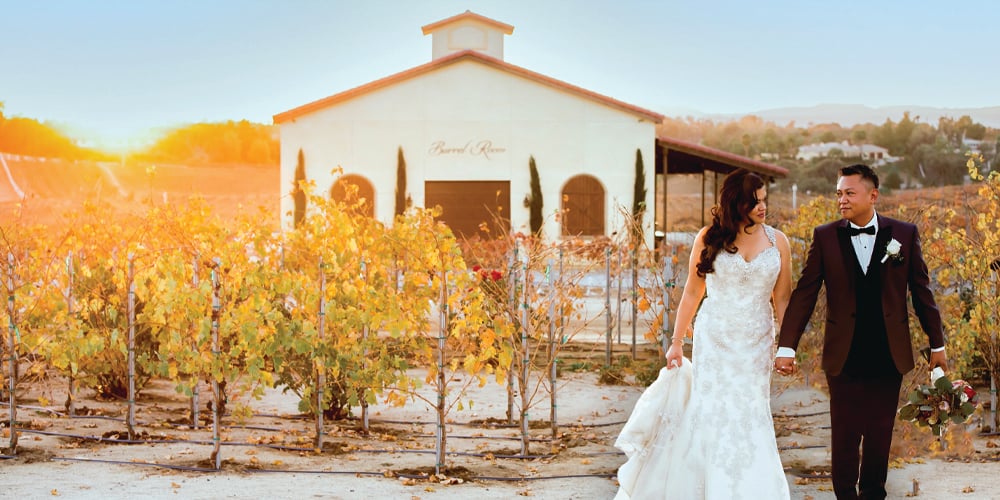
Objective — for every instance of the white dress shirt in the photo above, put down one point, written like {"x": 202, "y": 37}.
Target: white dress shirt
{"x": 864, "y": 243}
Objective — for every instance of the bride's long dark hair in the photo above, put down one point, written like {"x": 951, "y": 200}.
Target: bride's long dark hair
{"x": 737, "y": 197}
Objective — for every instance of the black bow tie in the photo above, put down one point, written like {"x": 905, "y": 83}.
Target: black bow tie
{"x": 854, "y": 231}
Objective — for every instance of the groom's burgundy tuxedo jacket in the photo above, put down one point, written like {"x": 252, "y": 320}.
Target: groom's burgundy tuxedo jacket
{"x": 831, "y": 261}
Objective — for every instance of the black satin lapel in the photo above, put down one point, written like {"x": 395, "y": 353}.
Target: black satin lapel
{"x": 849, "y": 258}
{"x": 881, "y": 241}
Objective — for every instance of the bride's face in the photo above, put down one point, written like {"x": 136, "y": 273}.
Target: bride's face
{"x": 759, "y": 211}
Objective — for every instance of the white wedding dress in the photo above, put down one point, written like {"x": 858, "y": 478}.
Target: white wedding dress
{"x": 704, "y": 430}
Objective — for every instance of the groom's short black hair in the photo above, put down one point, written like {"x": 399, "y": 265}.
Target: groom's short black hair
{"x": 863, "y": 170}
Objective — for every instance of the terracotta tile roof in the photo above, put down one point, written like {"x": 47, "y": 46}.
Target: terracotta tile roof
{"x": 506, "y": 28}
{"x": 696, "y": 158}
{"x": 465, "y": 55}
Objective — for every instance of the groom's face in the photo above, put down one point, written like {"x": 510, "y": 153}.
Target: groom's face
{"x": 856, "y": 199}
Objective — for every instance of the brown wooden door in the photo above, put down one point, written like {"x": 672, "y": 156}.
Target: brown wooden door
{"x": 583, "y": 207}
{"x": 468, "y": 204}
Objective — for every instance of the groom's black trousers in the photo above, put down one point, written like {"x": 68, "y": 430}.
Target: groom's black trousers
{"x": 862, "y": 413}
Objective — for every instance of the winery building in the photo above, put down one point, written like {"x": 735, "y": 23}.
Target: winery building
{"x": 467, "y": 124}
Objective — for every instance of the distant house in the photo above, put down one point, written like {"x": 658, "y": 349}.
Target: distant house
{"x": 972, "y": 145}
{"x": 876, "y": 155}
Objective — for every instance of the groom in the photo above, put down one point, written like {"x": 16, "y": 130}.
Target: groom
{"x": 867, "y": 262}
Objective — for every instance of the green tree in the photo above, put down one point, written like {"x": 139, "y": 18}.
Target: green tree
{"x": 770, "y": 142}
{"x": 229, "y": 142}
{"x": 892, "y": 180}
{"x": 962, "y": 125}
{"x": 821, "y": 177}
{"x": 948, "y": 128}
{"x": 28, "y": 136}
{"x": 535, "y": 199}
{"x": 746, "y": 141}
{"x": 638, "y": 196}
{"x": 885, "y": 134}
{"x": 858, "y": 138}
{"x": 400, "y": 182}
{"x": 298, "y": 193}
{"x": 901, "y": 136}
{"x": 976, "y": 131}
{"x": 939, "y": 165}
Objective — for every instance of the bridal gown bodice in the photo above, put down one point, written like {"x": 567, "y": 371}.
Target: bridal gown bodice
{"x": 723, "y": 446}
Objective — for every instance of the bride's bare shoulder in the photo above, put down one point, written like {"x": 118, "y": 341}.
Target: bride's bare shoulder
{"x": 780, "y": 238}
{"x": 699, "y": 239}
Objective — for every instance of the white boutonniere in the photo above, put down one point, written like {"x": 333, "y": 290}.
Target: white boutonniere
{"x": 892, "y": 251}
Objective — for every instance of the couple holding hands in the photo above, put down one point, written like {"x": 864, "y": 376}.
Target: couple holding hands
{"x": 703, "y": 430}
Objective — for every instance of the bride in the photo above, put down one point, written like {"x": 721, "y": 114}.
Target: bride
{"x": 703, "y": 430}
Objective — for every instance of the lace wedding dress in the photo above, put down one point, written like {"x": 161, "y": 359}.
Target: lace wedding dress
{"x": 704, "y": 430}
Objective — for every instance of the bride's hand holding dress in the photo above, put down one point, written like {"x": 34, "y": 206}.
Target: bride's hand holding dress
{"x": 675, "y": 354}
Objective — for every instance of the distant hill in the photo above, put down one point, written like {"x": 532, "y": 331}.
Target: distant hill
{"x": 851, "y": 114}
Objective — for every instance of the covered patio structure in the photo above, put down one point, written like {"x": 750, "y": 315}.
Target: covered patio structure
{"x": 676, "y": 157}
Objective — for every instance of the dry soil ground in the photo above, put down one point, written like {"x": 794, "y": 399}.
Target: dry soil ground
{"x": 269, "y": 455}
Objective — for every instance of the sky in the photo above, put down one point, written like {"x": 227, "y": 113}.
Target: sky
{"x": 117, "y": 72}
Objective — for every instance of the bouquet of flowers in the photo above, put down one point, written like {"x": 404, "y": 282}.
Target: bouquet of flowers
{"x": 944, "y": 401}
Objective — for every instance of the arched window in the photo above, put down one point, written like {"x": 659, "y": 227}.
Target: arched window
{"x": 352, "y": 187}
{"x": 583, "y": 207}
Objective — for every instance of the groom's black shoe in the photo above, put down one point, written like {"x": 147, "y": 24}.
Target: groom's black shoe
{"x": 873, "y": 493}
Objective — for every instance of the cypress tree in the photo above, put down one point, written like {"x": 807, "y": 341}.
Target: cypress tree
{"x": 535, "y": 205}
{"x": 298, "y": 194}
{"x": 401, "y": 198}
{"x": 638, "y": 196}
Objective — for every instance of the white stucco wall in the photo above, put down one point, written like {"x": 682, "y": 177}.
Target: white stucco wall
{"x": 443, "y": 118}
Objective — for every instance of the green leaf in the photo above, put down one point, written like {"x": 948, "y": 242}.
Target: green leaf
{"x": 943, "y": 384}
{"x": 301, "y": 346}
{"x": 967, "y": 409}
{"x": 908, "y": 412}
